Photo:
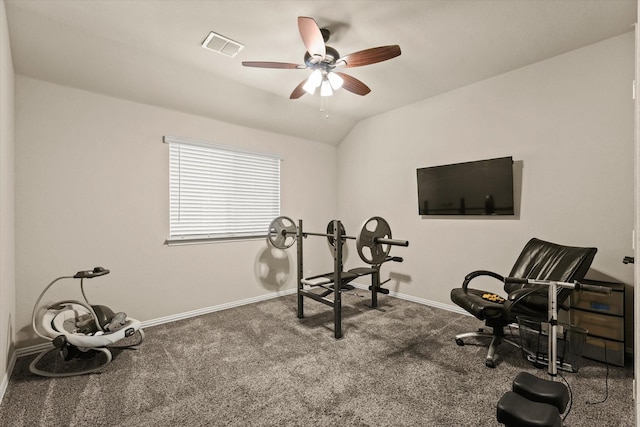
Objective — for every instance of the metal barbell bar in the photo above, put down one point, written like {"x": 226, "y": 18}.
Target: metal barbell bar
{"x": 373, "y": 245}
{"x": 392, "y": 242}
{"x": 305, "y": 234}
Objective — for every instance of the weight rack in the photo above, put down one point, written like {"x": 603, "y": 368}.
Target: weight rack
{"x": 335, "y": 279}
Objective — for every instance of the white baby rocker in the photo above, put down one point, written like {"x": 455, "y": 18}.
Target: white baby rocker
{"x": 79, "y": 330}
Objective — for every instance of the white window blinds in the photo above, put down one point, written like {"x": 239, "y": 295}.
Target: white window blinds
{"x": 219, "y": 192}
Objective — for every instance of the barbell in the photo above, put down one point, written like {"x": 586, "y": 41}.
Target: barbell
{"x": 373, "y": 242}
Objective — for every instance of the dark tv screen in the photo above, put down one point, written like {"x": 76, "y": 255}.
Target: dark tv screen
{"x": 483, "y": 187}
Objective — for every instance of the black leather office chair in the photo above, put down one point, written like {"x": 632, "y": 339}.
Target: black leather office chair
{"x": 538, "y": 260}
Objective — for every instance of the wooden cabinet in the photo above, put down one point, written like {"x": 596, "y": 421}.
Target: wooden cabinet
{"x": 603, "y": 318}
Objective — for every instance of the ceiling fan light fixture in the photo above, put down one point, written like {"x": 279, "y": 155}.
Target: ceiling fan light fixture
{"x": 335, "y": 80}
{"x": 325, "y": 88}
{"x": 322, "y": 60}
{"x": 314, "y": 80}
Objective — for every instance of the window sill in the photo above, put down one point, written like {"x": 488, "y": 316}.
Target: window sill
{"x": 209, "y": 240}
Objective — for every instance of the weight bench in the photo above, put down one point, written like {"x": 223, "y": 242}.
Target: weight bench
{"x": 533, "y": 402}
{"x": 373, "y": 245}
{"x": 327, "y": 279}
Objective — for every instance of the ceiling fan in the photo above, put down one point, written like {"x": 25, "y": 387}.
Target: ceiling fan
{"x": 323, "y": 60}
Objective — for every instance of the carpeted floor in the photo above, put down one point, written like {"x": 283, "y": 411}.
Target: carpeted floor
{"x": 259, "y": 365}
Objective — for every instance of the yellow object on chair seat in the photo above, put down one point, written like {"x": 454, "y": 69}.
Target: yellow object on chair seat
{"x": 493, "y": 297}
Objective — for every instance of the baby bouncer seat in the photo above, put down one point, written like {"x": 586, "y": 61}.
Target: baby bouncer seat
{"x": 81, "y": 331}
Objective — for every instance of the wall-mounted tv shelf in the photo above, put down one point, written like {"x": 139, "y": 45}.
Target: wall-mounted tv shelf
{"x": 603, "y": 318}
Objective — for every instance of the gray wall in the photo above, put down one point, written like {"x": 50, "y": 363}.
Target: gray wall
{"x": 7, "y": 204}
{"x": 92, "y": 189}
{"x": 567, "y": 122}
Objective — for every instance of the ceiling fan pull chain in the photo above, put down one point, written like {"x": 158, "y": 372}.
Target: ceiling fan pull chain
{"x": 324, "y": 106}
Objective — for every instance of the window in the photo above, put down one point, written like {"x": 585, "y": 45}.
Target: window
{"x": 220, "y": 193}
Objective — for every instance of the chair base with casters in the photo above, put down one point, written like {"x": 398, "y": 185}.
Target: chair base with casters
{"x": 484, "y": 306}
{"x": 538, "y": 260}
{"x": 496, "y": 336}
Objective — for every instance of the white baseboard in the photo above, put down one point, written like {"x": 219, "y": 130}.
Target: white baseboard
{"x": 32, "y": 349}
{"x": 5, "y": 380}
{"x": 207, "y": 310}
{"x": 436, "y": 304}
{"x": 37, "y": 348}
{"x": 4, "y": 383}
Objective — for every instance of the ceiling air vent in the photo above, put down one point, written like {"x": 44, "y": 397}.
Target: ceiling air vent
{"x": 222, "y": 44}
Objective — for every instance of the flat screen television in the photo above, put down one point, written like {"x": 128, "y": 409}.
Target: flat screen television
{"x": 483, "y": 187}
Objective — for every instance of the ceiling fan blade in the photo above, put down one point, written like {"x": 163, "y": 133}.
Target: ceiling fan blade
{"x": 298, "y": 91}
{"x": 353, "y": 85}
{"x": 265, "y": 64}
{"x": 311, "y": 37}
{"x": 370, "y": 56}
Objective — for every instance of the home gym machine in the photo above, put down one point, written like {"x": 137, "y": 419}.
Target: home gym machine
{"x": 533, "y": 401}
{"x": 373, "y": 244}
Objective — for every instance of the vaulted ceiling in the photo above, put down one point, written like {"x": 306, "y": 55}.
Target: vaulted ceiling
{"x": 150, "y": 51}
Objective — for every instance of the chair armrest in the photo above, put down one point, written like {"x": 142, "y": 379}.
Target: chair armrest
{"x": 534, "y": 297}
{"x": 469, "y": 277}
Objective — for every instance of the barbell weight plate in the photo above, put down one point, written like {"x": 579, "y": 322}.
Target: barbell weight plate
{"x": 330, "y": 230}
{"x": 374, "y": 228}
{"x": 282, "y": 232}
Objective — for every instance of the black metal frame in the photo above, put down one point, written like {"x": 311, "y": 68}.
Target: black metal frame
{"x": 336, "y": 289}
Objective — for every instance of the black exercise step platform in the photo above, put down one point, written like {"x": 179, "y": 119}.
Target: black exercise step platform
{"x": 542, "y": 390}
{"x": 515, "y": 410}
